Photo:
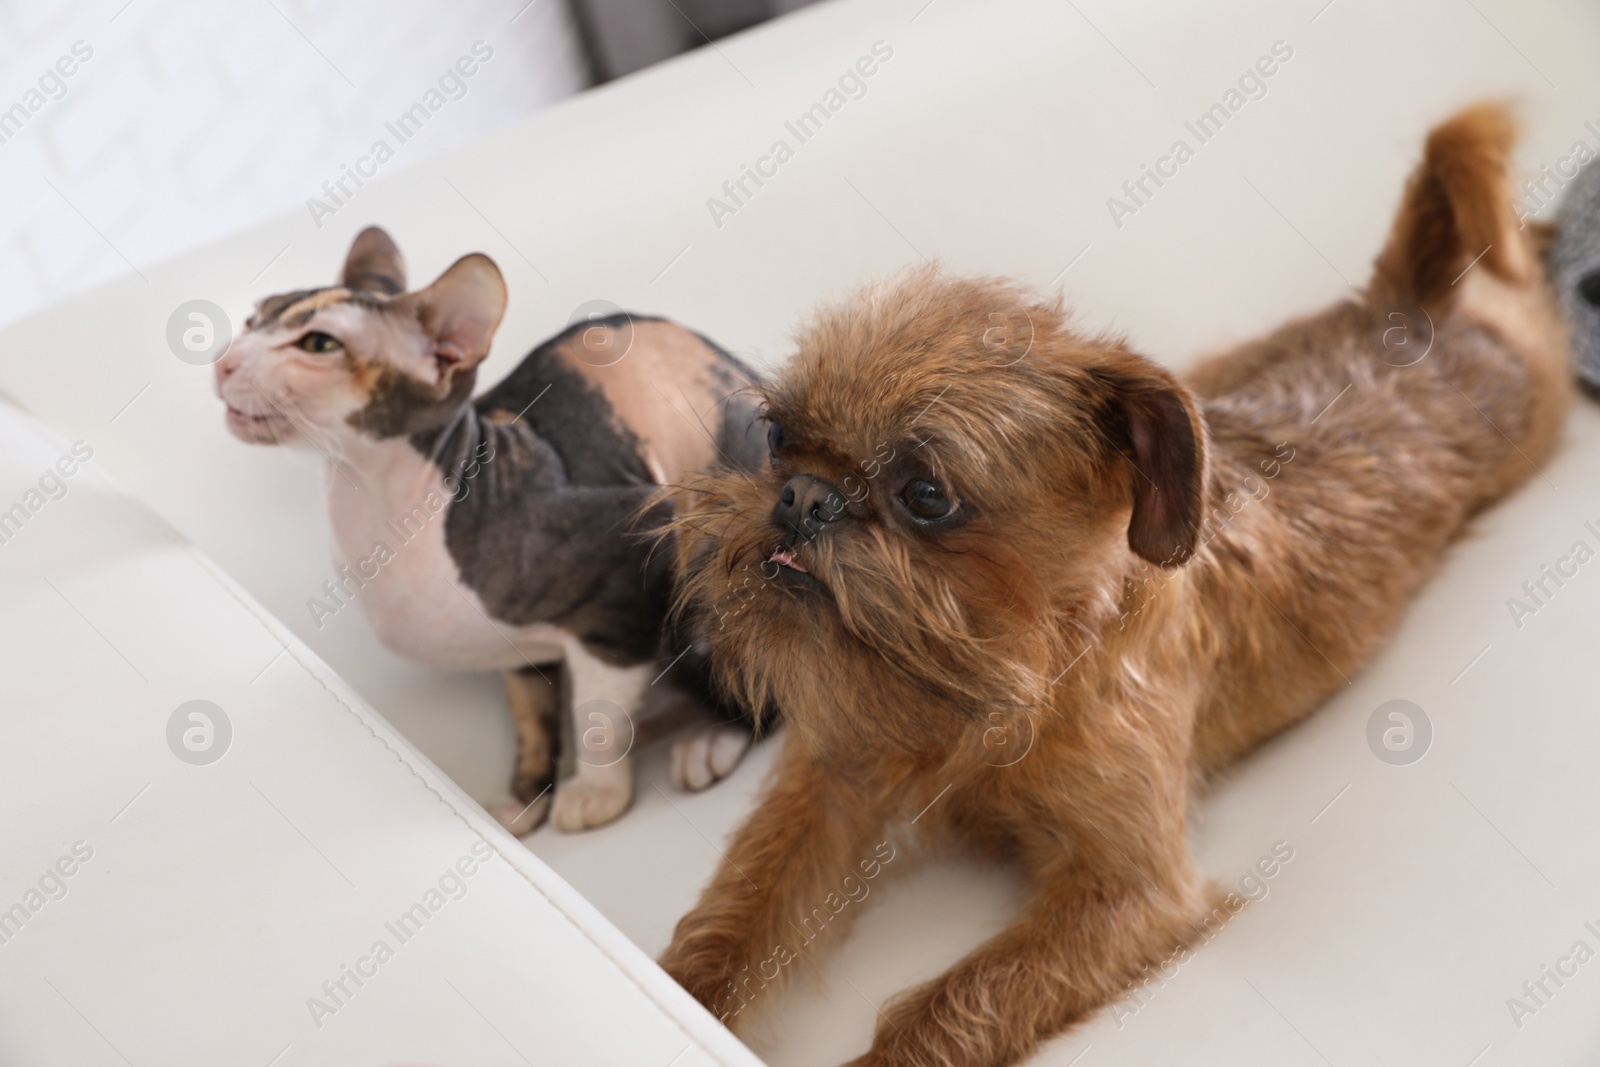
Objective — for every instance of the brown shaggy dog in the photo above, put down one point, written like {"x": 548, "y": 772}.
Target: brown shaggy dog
{"x": 977, "y": 520}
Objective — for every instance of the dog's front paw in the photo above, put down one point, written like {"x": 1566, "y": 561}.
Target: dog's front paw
{"x": 870, "y": 1059}
{"x": 934, "y": 1024}
{"x": 708, "y": 757}
{"x": 519, "y": 818}
{"x": 705, "y": 984}
{"x": 592, "y": 799}
{"x": 887, "y": 1057}
{"x": 706, "y": 970}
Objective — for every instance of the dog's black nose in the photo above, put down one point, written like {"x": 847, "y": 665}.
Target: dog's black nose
{"x": 807, "y": 503}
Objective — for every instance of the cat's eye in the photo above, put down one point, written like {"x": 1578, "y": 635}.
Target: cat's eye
{"x": 926, "y": 500}
{"x": 1589, "y": 288}
{"x": 318, "y": 342}
{"x": 775, "y": 439}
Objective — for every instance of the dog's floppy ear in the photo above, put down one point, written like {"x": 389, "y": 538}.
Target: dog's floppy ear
{"x": 1154, "y": 422}
{"x": 374, "y": 263}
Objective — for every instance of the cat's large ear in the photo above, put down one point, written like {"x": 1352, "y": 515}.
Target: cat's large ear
{"x": 460, "y": 311}
{"x": 1155, "y": 424}
{"x": 374, "y": 264}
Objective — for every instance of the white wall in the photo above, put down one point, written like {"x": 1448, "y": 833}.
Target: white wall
{"x": 193, "y": 119}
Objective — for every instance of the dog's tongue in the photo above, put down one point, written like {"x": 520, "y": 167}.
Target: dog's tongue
{"x": 785, "y": 557}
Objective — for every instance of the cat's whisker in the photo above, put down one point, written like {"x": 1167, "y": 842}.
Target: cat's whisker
{"x": 326, "y": 444}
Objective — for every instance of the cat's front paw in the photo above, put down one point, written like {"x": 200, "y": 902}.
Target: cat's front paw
{"x": 709, "y": 756}
{"x": 593, "y": 798}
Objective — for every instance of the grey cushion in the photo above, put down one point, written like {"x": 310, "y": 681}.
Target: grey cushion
{"x": 1574, "y": 257}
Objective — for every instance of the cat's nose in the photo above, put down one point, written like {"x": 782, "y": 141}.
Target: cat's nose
{"x": 225, "y": 366}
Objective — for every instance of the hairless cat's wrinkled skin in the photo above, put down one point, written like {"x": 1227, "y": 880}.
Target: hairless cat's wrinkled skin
{"x": 505, "y": 532}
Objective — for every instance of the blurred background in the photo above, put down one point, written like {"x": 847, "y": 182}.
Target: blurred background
{"x": 185, "y": 120}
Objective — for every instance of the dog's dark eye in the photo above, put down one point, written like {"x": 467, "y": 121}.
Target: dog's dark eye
{"x": 775, "y": 438}
{"x": 925, "y": 500}
{"x": 1589, "y": 288}
{"x": 318, "y": 342}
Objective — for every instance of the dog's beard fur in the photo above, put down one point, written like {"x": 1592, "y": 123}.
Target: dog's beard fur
{"x": 905, "y": 636}
{"x": 886, "y": 637}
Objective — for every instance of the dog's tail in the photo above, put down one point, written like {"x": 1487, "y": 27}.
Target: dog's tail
{"x": 1457, "y": 250}
{"x": 1456, "y": 214}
